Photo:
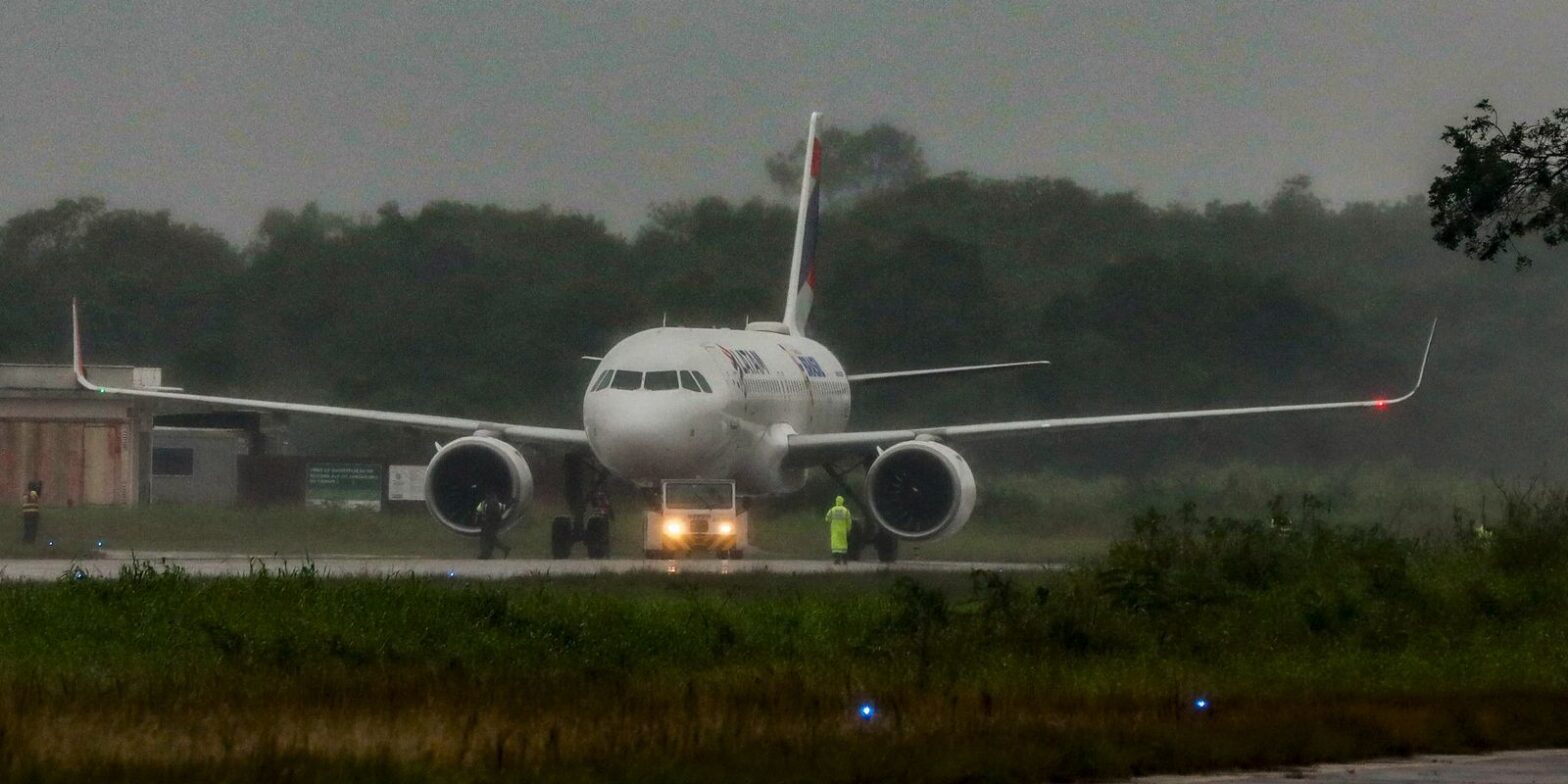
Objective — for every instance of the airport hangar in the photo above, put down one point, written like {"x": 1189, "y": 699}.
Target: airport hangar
{"x": 92, "y": 449}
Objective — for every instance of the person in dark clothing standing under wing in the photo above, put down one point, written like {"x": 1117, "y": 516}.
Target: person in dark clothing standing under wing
{"x": 487, "y": 517}
{"x": 30, "y": 514}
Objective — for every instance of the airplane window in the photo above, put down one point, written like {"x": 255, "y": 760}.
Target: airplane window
{"x": 687, "y": 382}
{"x": 603, "y": 380}
{"x": 660, "y": 380}
{"x": 702, "y": 383}
{"x": 627, "y": 379}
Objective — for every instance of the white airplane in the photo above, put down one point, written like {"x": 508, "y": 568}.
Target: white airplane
{"x": 757, "y": 406}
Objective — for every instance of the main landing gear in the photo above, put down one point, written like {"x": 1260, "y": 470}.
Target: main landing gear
{"x": 593, "y": 530}
{"x": 863, "y": 530}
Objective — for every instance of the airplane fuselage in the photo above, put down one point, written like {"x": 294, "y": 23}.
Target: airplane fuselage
{"x": 682, "y": 403}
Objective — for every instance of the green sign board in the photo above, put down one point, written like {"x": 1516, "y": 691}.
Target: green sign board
{"x": 343, "y": 484}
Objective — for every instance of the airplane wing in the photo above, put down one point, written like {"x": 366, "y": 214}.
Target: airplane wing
{"x": 860, "y": 378}
{"x": 527, "y": 434}
{"x": 816, "y": 449}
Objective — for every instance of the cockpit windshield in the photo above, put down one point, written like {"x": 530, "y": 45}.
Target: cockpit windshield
{"x": 627, "y": 379}
{"x": 660, "y": 380}
{"x": 653, "y": 380}
{"x": 692, "y": 380}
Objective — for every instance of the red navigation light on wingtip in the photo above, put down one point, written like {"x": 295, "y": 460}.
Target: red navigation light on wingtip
{"x": 1381, "y": 403}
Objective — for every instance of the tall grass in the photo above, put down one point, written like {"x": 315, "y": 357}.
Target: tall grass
{"x": 1309, "y": 639}
{"x": 1392, "y": 495}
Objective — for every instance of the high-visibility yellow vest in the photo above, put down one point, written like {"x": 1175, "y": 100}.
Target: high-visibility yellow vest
{"x": 838, "y": 529}
{"x": 30, "y": 504}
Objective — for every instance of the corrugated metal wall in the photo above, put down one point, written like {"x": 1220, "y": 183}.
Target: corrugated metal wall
{"x": 79, "y": 462}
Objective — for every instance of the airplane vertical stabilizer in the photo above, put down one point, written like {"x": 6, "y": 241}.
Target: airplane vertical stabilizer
{"x": 803, "y": 268}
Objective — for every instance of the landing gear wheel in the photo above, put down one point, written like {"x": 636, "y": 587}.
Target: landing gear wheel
{"x": 859, "y": 537}
{"x": 886, "y": 546}
{"x": 561, "y": 537}
{"x": 596, "y": 537}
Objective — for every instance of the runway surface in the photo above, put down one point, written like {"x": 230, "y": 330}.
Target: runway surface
{"x": 229, "y": 565}
{"x": 1542, "y": 766}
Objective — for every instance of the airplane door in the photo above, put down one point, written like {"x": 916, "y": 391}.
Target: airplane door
{"x": 809, "y": 423}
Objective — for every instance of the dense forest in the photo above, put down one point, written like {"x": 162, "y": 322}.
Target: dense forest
{"x": 476, "y": 309}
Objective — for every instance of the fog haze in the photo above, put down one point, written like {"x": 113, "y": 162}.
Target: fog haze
{"x": 217, "y": 111}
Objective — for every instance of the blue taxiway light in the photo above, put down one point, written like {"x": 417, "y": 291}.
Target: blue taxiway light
{"x": 100, "y": 543}
{"x": 1202, "y": 703}
{"x": 451, "y": 573}
{"x": 867, "y": 710}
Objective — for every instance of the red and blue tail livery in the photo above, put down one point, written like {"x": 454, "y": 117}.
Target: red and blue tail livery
{"x": 803, "y": 266}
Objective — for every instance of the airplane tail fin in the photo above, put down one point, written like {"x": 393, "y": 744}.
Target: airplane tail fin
{"x": 802, "y": 267}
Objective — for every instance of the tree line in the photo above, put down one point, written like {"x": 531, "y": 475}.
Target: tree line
{"x": 477, "y": 309}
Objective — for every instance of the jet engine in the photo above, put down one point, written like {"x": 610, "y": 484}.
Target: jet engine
{"x": 466, "y": 470}
{"x": 921, "y": 490}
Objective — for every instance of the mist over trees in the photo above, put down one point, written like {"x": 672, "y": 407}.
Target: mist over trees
{"x": 476, "y": 309}
{"x": 880, "y": 158}
{"x": 1505, "y": 184}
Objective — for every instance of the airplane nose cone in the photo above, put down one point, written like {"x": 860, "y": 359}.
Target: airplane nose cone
{"x": 652, "y": 439}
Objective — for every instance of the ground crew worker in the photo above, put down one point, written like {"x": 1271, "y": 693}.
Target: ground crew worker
{"x": 487, "y": 517}
{"x": 838, "y": 530}
{"x": 30, "y": 516}
{"x": 1482, "y": 535}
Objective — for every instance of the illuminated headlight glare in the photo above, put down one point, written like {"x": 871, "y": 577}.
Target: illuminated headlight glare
{"x": 674, "y": 526}
{"x": 726, "y": 528}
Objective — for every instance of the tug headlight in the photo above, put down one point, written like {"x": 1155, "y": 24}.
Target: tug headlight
{"x": 674, "y": 526}
{"x": 726, "y": 528}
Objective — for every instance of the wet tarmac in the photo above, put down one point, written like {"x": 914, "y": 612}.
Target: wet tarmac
{"x": 231, "y": 565}
{"x": 1541, "y": 766}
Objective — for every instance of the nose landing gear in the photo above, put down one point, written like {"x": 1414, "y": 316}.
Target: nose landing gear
{"x": 591, "y": 513}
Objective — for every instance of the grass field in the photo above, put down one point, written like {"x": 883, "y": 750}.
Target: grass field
{"x": 1309, "y": 641}
{"x": 1034, "y": 518}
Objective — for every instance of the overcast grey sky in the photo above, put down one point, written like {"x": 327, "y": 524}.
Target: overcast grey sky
{"x": 217, "y": 110}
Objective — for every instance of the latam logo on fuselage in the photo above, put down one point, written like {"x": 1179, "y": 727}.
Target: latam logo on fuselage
{"x": 744, "y": 360}
{"x": 807, "y": 364}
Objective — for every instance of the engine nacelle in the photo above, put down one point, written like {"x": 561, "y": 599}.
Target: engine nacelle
{"x": 464, "y": 471}
{"x": 921, "y": 491}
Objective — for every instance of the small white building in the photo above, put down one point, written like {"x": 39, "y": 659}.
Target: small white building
{"x": 197, "y": 465}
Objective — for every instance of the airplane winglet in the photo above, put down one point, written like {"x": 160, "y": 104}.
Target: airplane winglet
{"x": 77, "y": 363}
{"x": 1421, "y": 373}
